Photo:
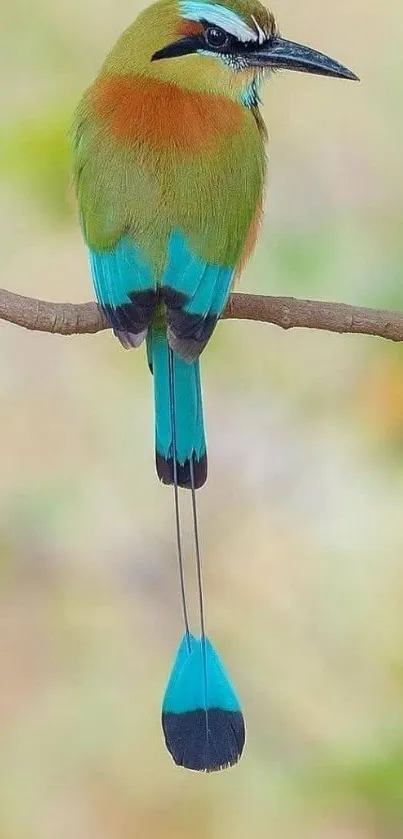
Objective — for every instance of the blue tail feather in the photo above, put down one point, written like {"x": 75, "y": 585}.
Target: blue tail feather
{"x": 190, "y": 438}
{"x": 203, "y": 724}
{"x": 185, "y": 648}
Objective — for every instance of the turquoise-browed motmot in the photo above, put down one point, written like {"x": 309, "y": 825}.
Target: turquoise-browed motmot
{"x": 169, "y": 162}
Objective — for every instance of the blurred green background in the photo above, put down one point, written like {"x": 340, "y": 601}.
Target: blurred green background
{"x": 302, "y": 515}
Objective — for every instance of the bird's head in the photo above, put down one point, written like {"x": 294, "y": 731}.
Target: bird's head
{"x": 222, "y": 47}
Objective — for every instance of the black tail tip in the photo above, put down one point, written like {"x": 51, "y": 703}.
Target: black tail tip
{"x": 204, "y": 741}
{"x": 165, "y": 471}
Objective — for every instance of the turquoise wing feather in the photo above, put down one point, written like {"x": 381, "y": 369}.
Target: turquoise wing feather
{"x": 126, "y": 290}
{"x": 195, "y": 293}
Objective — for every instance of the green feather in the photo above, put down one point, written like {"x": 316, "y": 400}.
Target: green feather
{"x": 211, "y": 196}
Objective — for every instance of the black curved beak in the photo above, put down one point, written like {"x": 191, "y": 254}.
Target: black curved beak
{"x": 286, "y": 55}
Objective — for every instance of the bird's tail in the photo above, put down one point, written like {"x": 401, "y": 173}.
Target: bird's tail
{"x": 180, "y": 418}
{"x": 201, "y": 715}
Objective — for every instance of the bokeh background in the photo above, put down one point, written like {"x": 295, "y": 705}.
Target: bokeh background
{"x": 302, "y": 515}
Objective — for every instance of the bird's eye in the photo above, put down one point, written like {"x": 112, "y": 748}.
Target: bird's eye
{"x": 215, "y": 37}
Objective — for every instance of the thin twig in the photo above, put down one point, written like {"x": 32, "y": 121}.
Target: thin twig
{"x": 286, "y": 312}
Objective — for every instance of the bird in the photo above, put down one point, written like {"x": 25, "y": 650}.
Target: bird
{"x": 169, "y": 164}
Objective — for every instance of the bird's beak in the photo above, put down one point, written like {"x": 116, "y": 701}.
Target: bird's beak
{"x": 286, "y": 55}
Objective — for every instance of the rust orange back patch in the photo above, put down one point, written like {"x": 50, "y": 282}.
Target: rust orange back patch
{"x": 163, "y": 115}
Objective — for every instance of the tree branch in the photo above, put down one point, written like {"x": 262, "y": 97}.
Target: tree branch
{"x": 286, "y": 312}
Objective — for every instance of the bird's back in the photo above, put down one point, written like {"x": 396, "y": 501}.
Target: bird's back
{"x": 152, "y": 158}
